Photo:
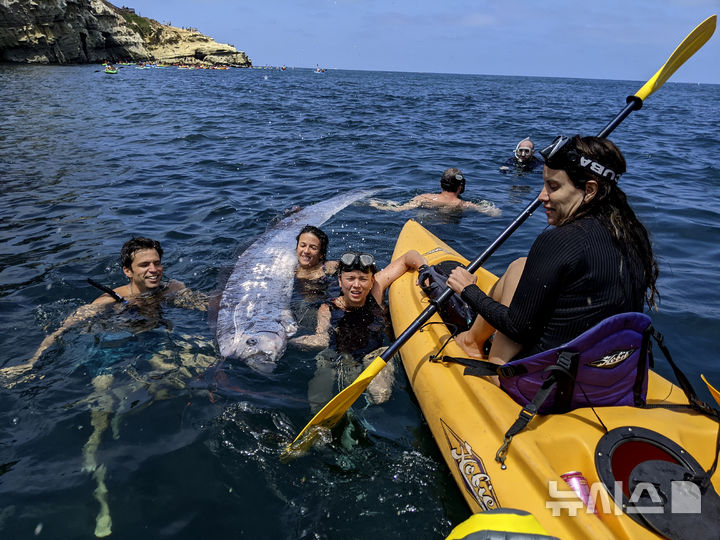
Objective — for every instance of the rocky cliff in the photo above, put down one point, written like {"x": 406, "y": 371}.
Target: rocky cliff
{"x": 83, "y": 31}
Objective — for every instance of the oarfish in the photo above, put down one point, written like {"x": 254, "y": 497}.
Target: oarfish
{"x": 254, "y": 318}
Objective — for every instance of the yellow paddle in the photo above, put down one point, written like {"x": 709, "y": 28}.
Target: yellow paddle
{"x": 714, "y": 392}
{"x": 331, "y": 413}
{"x": 689, "y": 46}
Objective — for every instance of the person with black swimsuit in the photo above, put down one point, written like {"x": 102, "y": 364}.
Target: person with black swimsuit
{"x": 596, "y": 262}
{"x": 352, "y": 326}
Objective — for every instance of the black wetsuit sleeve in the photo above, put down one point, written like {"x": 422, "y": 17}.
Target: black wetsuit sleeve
{"x": 550, "y": 260}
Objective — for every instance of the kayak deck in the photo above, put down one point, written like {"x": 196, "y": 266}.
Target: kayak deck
{"x": 469, "y": 416}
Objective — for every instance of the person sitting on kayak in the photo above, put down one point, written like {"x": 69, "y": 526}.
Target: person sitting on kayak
{"x": 353, "y": 326}
{"x": 141, "y": 264}
{"x": 452, "y": 185}
{"x": 523, "y": 160}
{"x": 595, "y": 262}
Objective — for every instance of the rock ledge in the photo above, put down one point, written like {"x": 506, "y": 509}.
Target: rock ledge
{"x": 90, "y": 31}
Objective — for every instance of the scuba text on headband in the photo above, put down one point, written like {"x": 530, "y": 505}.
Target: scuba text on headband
{"x": 560, "y": 155}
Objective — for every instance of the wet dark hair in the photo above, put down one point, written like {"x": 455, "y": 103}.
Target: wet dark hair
{"x": 452, "y": 179}
{"x": 136, "y": 244}
{"x": 610, "y": 205}
{"x": 324, "y": 241}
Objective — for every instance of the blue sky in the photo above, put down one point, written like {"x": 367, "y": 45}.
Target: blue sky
{"x": 603, "y": 39}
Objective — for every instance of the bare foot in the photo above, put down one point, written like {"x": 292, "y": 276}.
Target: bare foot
{"x": 468, "y": 345}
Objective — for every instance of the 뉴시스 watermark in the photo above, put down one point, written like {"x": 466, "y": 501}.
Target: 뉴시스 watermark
{"x": 685, "y": 499}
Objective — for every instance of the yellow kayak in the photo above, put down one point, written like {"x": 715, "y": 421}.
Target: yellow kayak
{"x": 469, "y": 417}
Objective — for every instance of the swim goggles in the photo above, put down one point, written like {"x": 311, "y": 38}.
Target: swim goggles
{"x": 353, "y": 260}
{"x": 522, "y": 152}
{"x": 560, "y": 154}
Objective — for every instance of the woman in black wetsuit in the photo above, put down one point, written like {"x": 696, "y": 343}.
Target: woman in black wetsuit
{"x": 595, "y": 262}
{"x": 353, "y": 324}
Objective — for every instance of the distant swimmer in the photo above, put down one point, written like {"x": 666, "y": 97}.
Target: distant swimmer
{"x": 524, "y": 160}
{"x": 452, "y": 185}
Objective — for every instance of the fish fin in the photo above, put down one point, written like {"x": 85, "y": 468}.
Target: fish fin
{"x": 288, "y": 322}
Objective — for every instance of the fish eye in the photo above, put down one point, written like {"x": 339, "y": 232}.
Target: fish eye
{"x": 251, "y": 341}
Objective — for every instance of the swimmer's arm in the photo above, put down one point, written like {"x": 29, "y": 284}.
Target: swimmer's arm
{"x": 81, "y": 314}
{"x": 484, "y": 207}
{"x": 331, "y": 267}
{"x": 408, "y": 261}
{"x": 187, "y": 298}
{"x": 395, "y": 207}
{"x": 321, "y": 338}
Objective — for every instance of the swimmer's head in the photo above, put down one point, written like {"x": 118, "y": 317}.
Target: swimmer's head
{"x": 452, "y": 180}
{"x": 320, "y": 235}
{"x": 136, "y": 244}
{"x": 524, "y": 149}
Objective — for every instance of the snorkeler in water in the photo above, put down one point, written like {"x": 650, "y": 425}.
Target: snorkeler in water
{"x": 352, "y": 327}
{"x": 523, "y": 160}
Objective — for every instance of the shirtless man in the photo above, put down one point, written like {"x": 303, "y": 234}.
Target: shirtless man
{"x": 141, "y": 262}
{"x": 452, "y": 184}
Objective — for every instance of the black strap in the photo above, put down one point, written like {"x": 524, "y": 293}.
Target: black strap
{"x": 565, "y": 371}
{"x": 703, "y": 480}
{"x": 527, "y": 413}
{"x": 107, "y": 290}
{"x": 641, "y": 368}
{"x": 483, "y": 368}
{"x": 561, "y": 375}
{"x": 684, "y": 382}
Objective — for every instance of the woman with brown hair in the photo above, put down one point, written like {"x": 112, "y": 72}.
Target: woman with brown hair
{"x": 595, "y": 262}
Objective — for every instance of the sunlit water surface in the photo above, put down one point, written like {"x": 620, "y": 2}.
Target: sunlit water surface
{"x": 206, "y": 161}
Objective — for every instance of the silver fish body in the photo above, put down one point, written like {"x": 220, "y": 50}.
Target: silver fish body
{"x": 254, "y": 318}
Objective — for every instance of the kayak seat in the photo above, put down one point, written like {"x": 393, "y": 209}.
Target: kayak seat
{"x": 606, "y": 365}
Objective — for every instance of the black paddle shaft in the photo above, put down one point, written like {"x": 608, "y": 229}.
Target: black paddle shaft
{"x": 634, "y": 103}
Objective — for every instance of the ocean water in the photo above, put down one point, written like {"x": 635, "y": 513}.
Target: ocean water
{"x": 205, "y": 162}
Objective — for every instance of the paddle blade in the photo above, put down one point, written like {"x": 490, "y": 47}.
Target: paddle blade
{"x": 714, "y": 392}
{"x": 689, "y": 46}
{"x": 331, "y": 413}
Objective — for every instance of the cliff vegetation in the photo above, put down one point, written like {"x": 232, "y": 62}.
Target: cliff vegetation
{"x": 89, "y": 31}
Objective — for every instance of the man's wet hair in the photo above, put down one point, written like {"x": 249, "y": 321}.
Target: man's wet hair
{"x": 452, "y": 179}
{"x": 136, "y": 244}
{"x": 324, "y": 240}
